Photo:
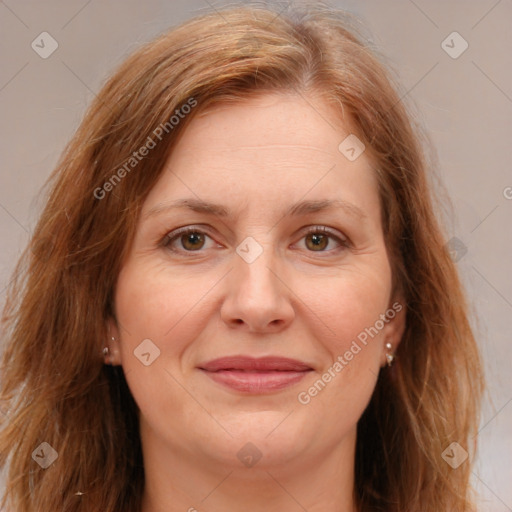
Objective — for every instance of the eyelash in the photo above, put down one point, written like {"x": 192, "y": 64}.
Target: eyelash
{"x": 169, "y": 238}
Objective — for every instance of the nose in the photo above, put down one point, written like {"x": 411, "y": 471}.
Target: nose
{"x": 257, "y": 297}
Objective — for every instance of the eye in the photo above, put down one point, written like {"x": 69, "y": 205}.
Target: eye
{"x": 188, "y": 239}
{"x": 192, "y": 239}
{"x": 319, "y": 238}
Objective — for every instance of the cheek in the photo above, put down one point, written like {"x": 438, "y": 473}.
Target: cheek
{"x": 348, "y": 310}
{"x": 152, "y": 303}
{"x": 348, "y": 304}
{"x": 162, "y": 306}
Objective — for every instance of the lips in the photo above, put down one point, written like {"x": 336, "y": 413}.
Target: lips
{"x": 263, "y": 364}
{"x": 256, "y": 375}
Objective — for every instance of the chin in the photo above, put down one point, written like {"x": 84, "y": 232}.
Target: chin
{"x": 265, "y": 440}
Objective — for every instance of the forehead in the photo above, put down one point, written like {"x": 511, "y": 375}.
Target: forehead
{"x": 272, "y": 119}
{"x": 266, "y": 149}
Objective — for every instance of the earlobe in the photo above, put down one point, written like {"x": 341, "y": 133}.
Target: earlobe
{"x": 393, "y": 330}
{"x": 111, "y": 351}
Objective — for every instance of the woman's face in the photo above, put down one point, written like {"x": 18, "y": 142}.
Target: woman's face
{"x": 285, "y": 258}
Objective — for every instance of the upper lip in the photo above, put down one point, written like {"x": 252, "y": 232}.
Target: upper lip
{"x": 247, "y": 363}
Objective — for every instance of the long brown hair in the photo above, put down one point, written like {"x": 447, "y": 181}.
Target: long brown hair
{"x": 55, "y": 387}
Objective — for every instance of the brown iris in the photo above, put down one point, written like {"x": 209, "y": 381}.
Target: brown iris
{"x": 318, "y": 241}
{"x": 193, "y": 240}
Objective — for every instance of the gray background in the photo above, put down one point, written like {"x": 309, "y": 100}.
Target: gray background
{"x": 465, "y": 105}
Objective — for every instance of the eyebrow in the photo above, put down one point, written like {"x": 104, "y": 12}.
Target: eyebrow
{"x": 297, "y": 209}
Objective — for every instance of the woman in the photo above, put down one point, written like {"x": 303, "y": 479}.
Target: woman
{"x": 238, "y": 295}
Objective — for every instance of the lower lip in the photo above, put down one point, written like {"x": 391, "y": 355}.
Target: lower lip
{"x": 256, "y": 382}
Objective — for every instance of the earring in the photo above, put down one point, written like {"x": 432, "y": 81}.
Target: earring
{"x": 106, "y": 350}
{"x": 389, "y": 356}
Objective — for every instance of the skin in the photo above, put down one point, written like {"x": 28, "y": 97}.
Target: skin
{"x": 297, "y": 300}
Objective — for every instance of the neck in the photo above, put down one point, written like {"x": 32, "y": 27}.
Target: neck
{"x": 181, "y": 481}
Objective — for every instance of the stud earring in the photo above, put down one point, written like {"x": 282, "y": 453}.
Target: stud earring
{"x": 389, "y": 355}
{"x": 106, "y": 350}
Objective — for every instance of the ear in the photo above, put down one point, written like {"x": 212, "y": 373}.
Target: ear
{"x": 113, "y": 357}
{"x": 394, "y": 327}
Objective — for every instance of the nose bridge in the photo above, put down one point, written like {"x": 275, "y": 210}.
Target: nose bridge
{"x": 253, "y": 268}
{"x": 255, "y": 296}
